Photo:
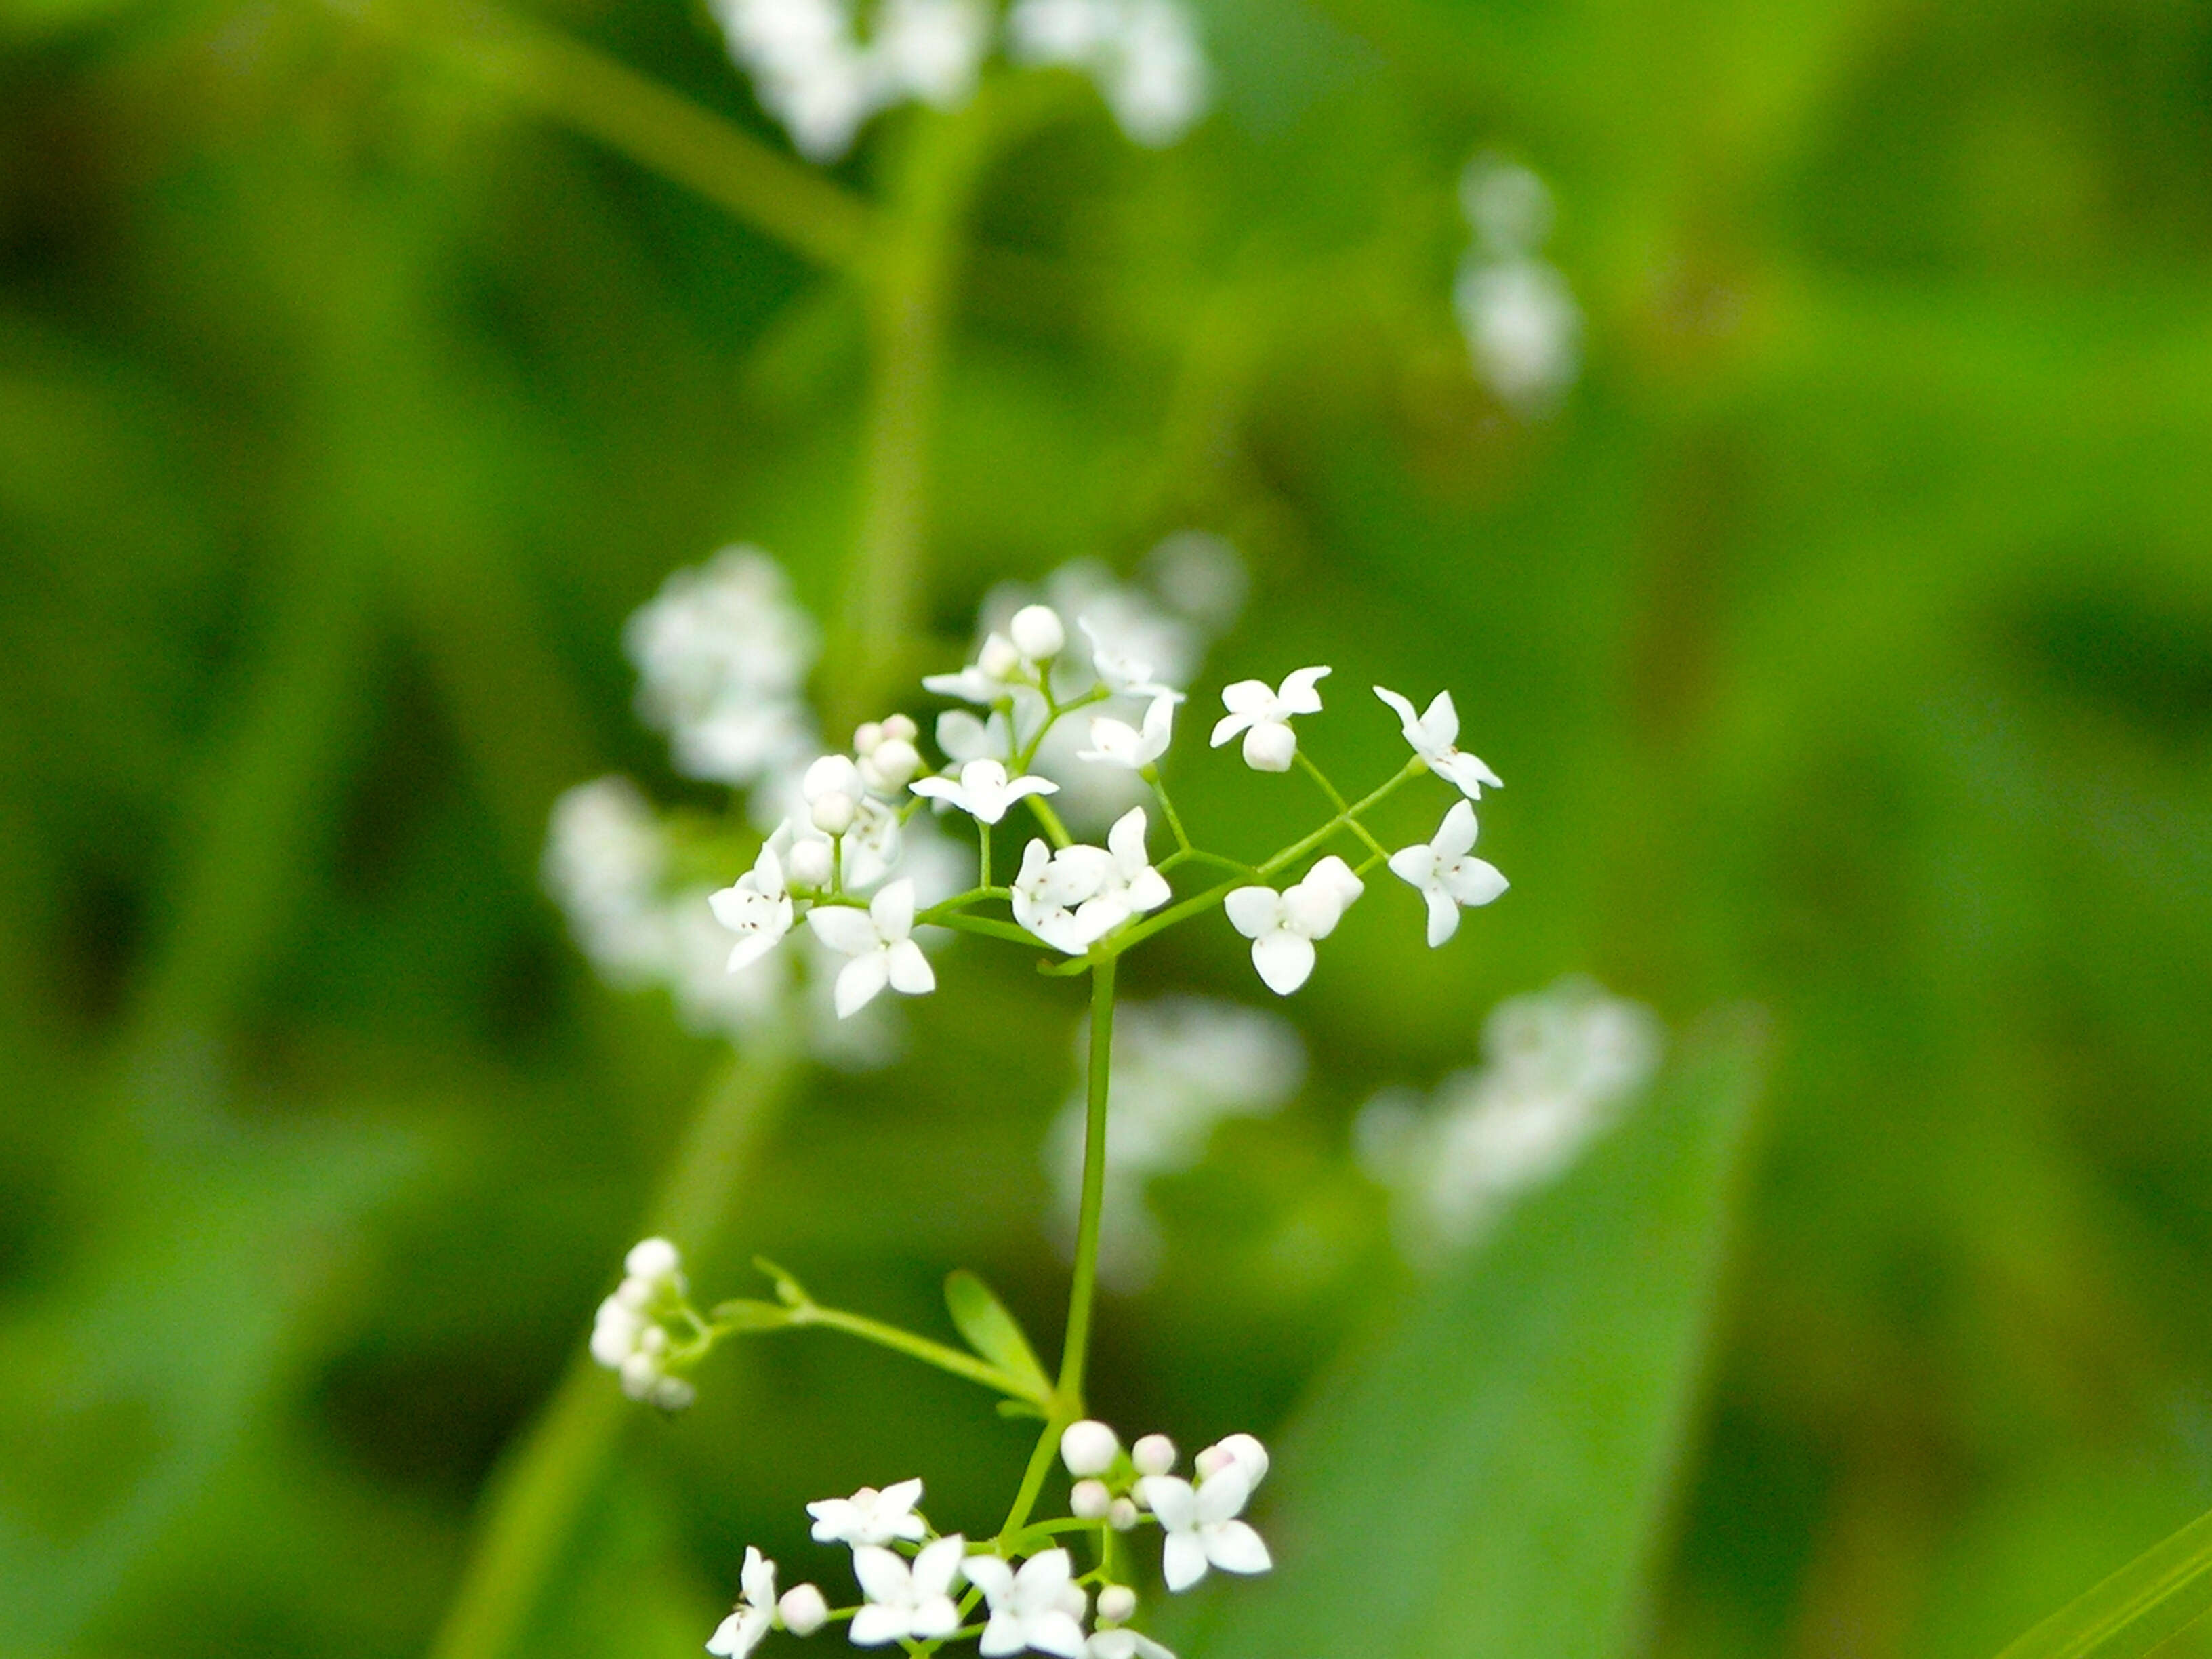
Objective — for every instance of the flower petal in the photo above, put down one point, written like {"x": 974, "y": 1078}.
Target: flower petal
{"x": 1006, "y": 1633}
{"x": 1229, "y": 726}
{"x": 883, "y": 1577}
{"x": 1223, "y": 1496}
{"x": 1300, "y": 693}
{"x": 1456, "y": 836}
{"x": 1414, "y": 864}
{"x": 1056, "y": 1631}
{"x": 1473, "y": 881}
{"x": 909, "y": 970}
{"x": 1253, "y": 699}
{"x": 1182, "y": 1562}
{"x": 1466, "y": 773}
{"x": 1234, "y": 1547}
{"x": 847, "y": 931}
{"x": 875, "y": 1626}
{"x": 892, "y": 911}
{"x": 1440, "y": 721}
{"x": 859, "y": 980}
{"x": 938, "y": 1564}
{"x": 990, "y": 1575}
{"x": 1169, "y": 1497}
{"x": 935, "y": 1619}
{"x": 1444, "y": 915}
{"x": 1409, "y": 722}
{"x": 1253, "y": 911}
{"x": 758, "y": 1576}
{"x": 1284, "y": 960}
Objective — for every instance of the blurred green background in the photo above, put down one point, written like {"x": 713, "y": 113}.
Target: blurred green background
{"x": 1845, "y": 638}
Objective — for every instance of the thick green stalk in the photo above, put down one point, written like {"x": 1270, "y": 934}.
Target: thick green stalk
{"x": 542, "y": 1485}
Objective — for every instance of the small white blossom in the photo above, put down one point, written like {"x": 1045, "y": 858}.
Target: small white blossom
{"x": 1050, "y": 888}
{"x": 1263, "y": 715}
{"x": 870, "y": 1516}
{"x": 1120, "y": 1643}
{"x": 983, "y": 790}
{"x": 1117, "y": 743}
{"x": 908, "y": 1603}
{"x": 803, "y": 1610}
{"x": 1447, "y": 873}
{"x": 1143, "y": 54}
{"x": 1123, "y": 1515}
{"x": 929, "y": 50}
{"x": 1284, "y": 926}
{"x": 1202, "y": 1525}
{"x": 757, "y": 908}
{"x": 963, "y": 738}
{"x": 1434, "y": 735}
{"x": 878, "y": 939}
{"x": 1038, "y": 1607}
{"x": 1124, "y": 675}
{"x": 754, "y": 1616}
{"x": 996, "y": 672}
{"x": 627, "y": 1336}
{"x": 1089, "y": 1447}
{"x": 1038, "y": 632}
{"x": 604, "y": 857}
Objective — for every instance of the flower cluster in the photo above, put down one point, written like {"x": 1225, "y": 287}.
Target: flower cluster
{"x": 1560, "y": 1066}
{"x": 1182, "y": 1065}
{"x": 911, "y": 1577}
{"x": 815, "y": 73}
{"x": 646, "y": 1325}
{"x": 1521, "y": 320}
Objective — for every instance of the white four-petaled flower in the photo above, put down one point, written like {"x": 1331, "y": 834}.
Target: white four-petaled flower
{"x": 1284, "y": 926}
{"x": 754, "y": 1615}
{"x": 1075, "y": 896}
{"x": 878, "y": 941}
{"x": 1434, "y": 734}
{"x": 1123, "y": 675}
{"x": 908, "y": 1603}
{"x": 983, "y": 790}
{"x": 1447, "y": 873}
{"x": 1117, "y": 742}
{"x": 869, "y": 1516}
{"x": 757, "y": 908}
{"x": 1264, "y": 717}
{"x": 1201, "y": 1527}
{"x": 1038, "y": 1607}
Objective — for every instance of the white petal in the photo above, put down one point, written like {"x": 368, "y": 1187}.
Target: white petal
{"x": 883, "y": 1575}
{"x": 936, "y": 1617}
{"x": 1444, "y": 915}
{"x": 859, "y": 980}
{"x": 750, "y": 949}
{"x": 875, "y": 1626}
{"x": 1414, "y": 864}
{"x": 1228, "y": 727}
{"x": 938, "y": 1564}
{"x": 1456, "y": 835}
{"x": 1169, "y": 1497}
{"x": 909, "y": 970}
{"x": 758, "y": 1578}
{"x": 848, "y": 931}
{"x": 1440, "y": 721}
{"x": 1253, "y": 911}
{"x": 1253, "y": 699}
{"x": 1126, "y": 840}
{"x": 892, "y": 911}
{"x": 900, "y": 1495}
{"x": 1270, "y": 746}
{"x": 1468, "y": 774}
{"x": 1234, "y": 1547}
{"x": 941, "y": 789}
{"x": 1006, "y": 1633}
{"x": 1112, "y": 743}
{"x": 1409, "y": 722}
{"x": 1473, "y": 881}
{"x": 1149, "y": 891}
{"x": 1300, "y": 693}
{"x": 1044, "y": 1577}
{"x": 1055, "y": 1631}
{"x": 1338, "y": 878}
{"x": 1223, "y": 1496}
{"x": 990, "y": 1575}
{"x": 1182, "y": 1562}
{"x": 1284, "y": 960}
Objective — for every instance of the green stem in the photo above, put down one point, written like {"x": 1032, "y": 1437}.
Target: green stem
{"x": 1151, "y": 775}
{"x": 1054, "y": 831}
{"x": 1075, "y": 1351}
{"x": 1343, "y": 812}
{"x": 542, "y": 1484}
{"x": 983, "y": 853}
{"x": 938, "y": 1354}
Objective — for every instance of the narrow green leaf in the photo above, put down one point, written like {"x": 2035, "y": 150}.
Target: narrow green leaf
{"x": 788, "y": 1291}
{"x": 991, "y": 1331}
{"x": 1493, "y": 1476}
{"x": 2153, "y": 1597}
{"x": 744, "y": 1314}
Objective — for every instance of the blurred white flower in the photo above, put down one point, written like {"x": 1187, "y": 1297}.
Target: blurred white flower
{"x": 1523, "y": 325}
{"x": 1181, "y": 1066}
{"x": 1143, "y": 54}
{"x": 1039, "y": 1605}
{"x": 1559, "y": 1067}
{"x": 812, "y": 72}
{"x": 755, "y": 1614}
{"x": 983, "y": 790}
{"x": 870, "y": 1516}
{"x": 1446, "y": 873}
{"x": 908, "y": 1603}
{"x": 604, "y": 857}
{"x": 1434, "y": 735}
{"x": 1201, "y": 1525}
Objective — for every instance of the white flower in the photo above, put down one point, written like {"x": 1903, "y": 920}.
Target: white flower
{"x": 997, "y": 671}
{"x": 754, "y": 1616}
{"x": 1446, "y": 874}
{"x": 878, "y": 939}
{"x": 1051, "y": 886}
{"x": 908, "y": 1603}
{"x": 1264, "y": 717}
{"x": 1124, "y": 675}
{"x": 1123, "y": 1643}
{"x": 1129, "y": 885}
{"x": 869, "y": 1516}
{"x": 1038, "y": 1607}
{"x": 1523, "y": 329}
{"x": 1202, "y": 1525}
{"x": 929, "y": 49}
{"x": 1037, "y": 632}
{"x": 757, "y": 908}
{"x": 1284, "y": 926}
{"x": 1117, "y": 743}
{"x": 1434, "y": 735}
{"x": 963, "y": 738}
{"x": 1241, "y": 1451}
{"x": 1155, "y": 1454}
{"x": 983, "y": 790}
{"x": 604, "y": 857}
{"x": 1144, "y": 55}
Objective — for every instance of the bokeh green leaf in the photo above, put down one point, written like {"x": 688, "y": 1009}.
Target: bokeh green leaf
{"x": 2145, "y": 1604}
{"x": 985, "y": 1326}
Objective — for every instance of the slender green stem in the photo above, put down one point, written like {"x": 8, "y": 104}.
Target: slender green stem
{"x": 1054, "y": 831}
{"x": 988, "y": 926}
{"x": 983, "y": 854}
{"x": 1033, "y": 1476}
{"x": 543, "y": 1483}
{"x": 1336, "y": 801}
{"x": 1075, "y": 1351}
{"x": 1151, "y": 775}
{"x": 946, "y": 1358}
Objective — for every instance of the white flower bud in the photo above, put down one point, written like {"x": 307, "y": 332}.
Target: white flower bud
{"x": 1154, "y": 1454}
{"x": 653, "y": 1340}
{"x": 1000, "y": 658}
{"x": 671, "y": 1394}
{"x": 1089, "y": 1447}
{"x": 1090, "y": 1500}
{"x": 614, "y": 1332}
{"x": 1239, "y": 1451}
{"x": 653, "y": 1258}
{"x": 1118, "y": 1603}
{"x": 636, "y": 1292}
{"x": 1122, "y": 1515}
{"x": 803, "y": 1609}
{"x": 1037, "y": 632}
{"x": 808, "y": 864}
{"x": 1270, "y": 746}
{"x": 831, "y": 774}
{"x": 833, "y": 813}
{"x": 900, "y": 727}
{"x": 890, "y": 766}
{"x": 640, "y": 1371}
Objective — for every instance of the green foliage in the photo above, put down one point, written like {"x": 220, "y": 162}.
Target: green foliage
{"x": 988, "y": 1327}
{"x": 2138, "y": 1609}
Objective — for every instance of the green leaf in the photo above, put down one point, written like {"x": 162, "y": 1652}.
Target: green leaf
{"x": 1492, "y": 1477}
{"x": 745, "y": 1314}
{"x": 2153, "y": 1597}
{"x": 991, "y": 1331}
{"x": 788, "y": 1291}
